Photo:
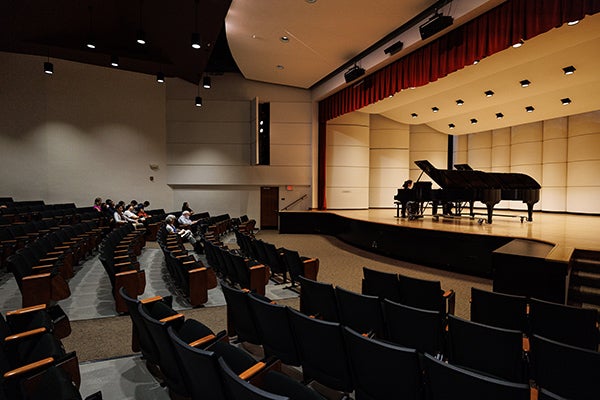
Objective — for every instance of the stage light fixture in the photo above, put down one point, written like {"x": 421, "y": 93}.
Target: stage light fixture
{"x": 394, "y": 48}
{"x": 499, "y": 115}
{"x": 451, "y": 126}
{"x": 141, "y": 37}
{"x": 570, "y": 70}
{"x": 206, "y": 82}
{"x": 529, "y": 109}
{"x": 524, "y": 83}
{"x": 473, "y": 121}
{"x": 459, "y": 102}
{"x": 518, "y": 44}
{"x": 48, "y": 68}
{"x": 435, "y": 109}
{"x": 353, "y": 73}
{"x": 198, "y": 101}
{"x": 566, "y": 101}
{"x": 90, "y": 43}
{"x": 489, "y": 93}
{"x": 414, "y": 115}
{"x": 114, "y": 61}
{"x": 160, "y": 77}
{"x": 571, "y": 23}
{"x": 435, "y": 24}
{"x": 196, "y": 40}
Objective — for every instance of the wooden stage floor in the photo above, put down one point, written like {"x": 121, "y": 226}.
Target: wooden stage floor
{"x": 566, "y": 231}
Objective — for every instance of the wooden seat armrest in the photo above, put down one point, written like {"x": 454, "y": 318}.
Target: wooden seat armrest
{"x": 191, "y": 271}
{"x": 309, "y": 260}
{"x": 123, "y": 264}
{"x": 44, "y": 275}
{"x": 69, "y": 242}
{"x": 151, "y": 300}
{"x": 9, "y": 241}
{"x": 42, "y": 267}
{"x": 259, "y": 266}
{"x": 526, "y": 344}
{"x": 121, "y": 258}
{"x": 26, "y": 310}
{"x": 48, "y": 259}
{"x": 61, "y": 247}
{"x": 55, "y": 253}
{"x": 253, "y": 370}
{"x": 188, "y": 262}
{"x": 449, "y": 293}
{"x": 171, "y": 318}
{"x": 126, "y": 273}
{"x": 202, "y": 340}
{"x": 182, "y": 256}
{"x": 44, "y": 362}
{"x": 450, "y": 296}
{"x": 23, "y": 335}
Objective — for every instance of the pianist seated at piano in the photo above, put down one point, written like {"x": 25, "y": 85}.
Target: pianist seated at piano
{"x": 408, "y": 184}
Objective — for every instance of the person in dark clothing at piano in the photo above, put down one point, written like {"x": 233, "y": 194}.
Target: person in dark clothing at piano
{"x": 408, "y": 184}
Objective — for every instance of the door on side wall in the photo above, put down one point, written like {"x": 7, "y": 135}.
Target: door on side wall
{"x": 269, "y": 207}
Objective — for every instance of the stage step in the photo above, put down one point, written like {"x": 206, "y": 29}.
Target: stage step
{"x": 584, "y": 285}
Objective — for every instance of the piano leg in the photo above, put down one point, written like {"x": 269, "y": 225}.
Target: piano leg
{"x": 529, "y": 212}
{"x": 490, "y": 209}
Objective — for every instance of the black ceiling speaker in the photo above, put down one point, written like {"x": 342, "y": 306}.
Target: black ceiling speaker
{"x": 435, "y": 24}
{"x": 354, "y": 73}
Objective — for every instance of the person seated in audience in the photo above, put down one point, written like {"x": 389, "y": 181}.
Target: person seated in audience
{"x": 98, "y": 204}
{"x": 185, "y": 234}
{"x": 186, "y": 207}
{"x": 131, "y": 216}
{"x": 119, "y": 217}
{"x": 140, "y": 211}
{"x": 109, "y": 209}
{"x": 186, "y": 223}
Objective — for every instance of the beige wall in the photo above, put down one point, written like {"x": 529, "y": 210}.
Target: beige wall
{"x": 83, "y": 132}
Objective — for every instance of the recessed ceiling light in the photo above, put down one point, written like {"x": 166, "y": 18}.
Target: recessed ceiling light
{"x": 311, "y": 1}
{"x": 566, "y": 101}
{"x": 451, "y": 126}
{"x": 529, "y": 108}
{"x": 114, "y": 61}
{"x": 435, "y": 109}
{"x": 518, "y": 44}
{"x": 489, "y": 93}
{"x": 160, "y": 77}
{"x": 473, "y": 121}
{"x": 570, "y": 70}
{"x": 459, "y": 102}
{"x": 475, "y": 62}
{"x": 525, "y": 83}
{"x": 571, "y": 23}
{"x": 414, "y": 115}
{"x": 284, "y": 39}
{"x": 279, "y": 66}
{"x": 499, "y": 115}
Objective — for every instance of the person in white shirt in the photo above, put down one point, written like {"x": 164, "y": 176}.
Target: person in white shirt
{"x": 185, "y": 234}
{"x": 132, "y": 217}
{"x": 185, "y": 222}
{"x": 119, "y": 217}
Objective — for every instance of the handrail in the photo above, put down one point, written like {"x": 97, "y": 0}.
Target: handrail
{"x": 295, "y": 202}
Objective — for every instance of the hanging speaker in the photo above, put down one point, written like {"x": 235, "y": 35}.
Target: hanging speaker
{"x": 354, "y": 73}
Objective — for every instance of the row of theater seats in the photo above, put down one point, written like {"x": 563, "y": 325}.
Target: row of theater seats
{"x": 118, "y": 254}
{"x": 282, "y": 262}
{"x": 33, "y": 362}
{"x": 45, "y": 263}
{"x": 194, "y": 362}
{"x": 191, "y": 276}
{"x": 324, "y": 350}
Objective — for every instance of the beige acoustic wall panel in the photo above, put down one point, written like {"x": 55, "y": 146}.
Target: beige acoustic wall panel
{"x": 526, "y": 155}
{"x": 427, "y": 144}
{"x": 348, "y": 162}
{"x": 583, "y": 178}
{"x": 480, "y": 150}
{"x": 554, "y": 170}
{"x": 461, "y": 149}
{"x": 389, "y": 156}
{"x": 501, "y": 150}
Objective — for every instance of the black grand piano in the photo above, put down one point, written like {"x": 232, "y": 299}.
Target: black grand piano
{"x": 464, "y": 186}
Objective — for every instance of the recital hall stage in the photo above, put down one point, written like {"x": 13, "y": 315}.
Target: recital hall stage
{"x": 537, "y": 251}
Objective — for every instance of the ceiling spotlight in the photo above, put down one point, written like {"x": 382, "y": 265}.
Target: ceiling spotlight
{"x": 160, "y": 77}
{"x": 279, "y": 66}
{"x": 569, "y": 70}
{"x": 284, "y": 39}
{"x": 451, "y": 126}
{"x": 475, "y": 62}
{"x": 414, "y": 115}
{"x": 141, "y": 37}
{"x": 114, "y": 61}
{"x": 198, "y": 101}
{"x": 529, "y": 108}
{"x": 571, "y": 23}
{"x": 518, "y": 44}
{"x": 566, "y": 101}
{"x": 473, "y": 121}
{"x": 90, "y": 44}
{"x": 435, "y": 109}
{"x": 459, "y": 102}
{"x": 48, "y": 68}
{"x": 196, "y": 41}
{"x": 206, "y": 82}
{"x": 525, "y": 83}
{"x": 488, "y": 93}
{"x": 499, "y": 115}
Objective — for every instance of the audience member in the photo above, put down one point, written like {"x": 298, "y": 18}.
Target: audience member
{"x": 98, "y": 204}
{"x": 186, "y": 207}
{"x": 185, "y": 222}
{"x": 119, "y": 217}
{"x": 131, "y": 216}
{"x": 184, "y": 233}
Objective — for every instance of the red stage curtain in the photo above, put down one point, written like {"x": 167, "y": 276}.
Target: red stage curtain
{"x": 483, "y": 36}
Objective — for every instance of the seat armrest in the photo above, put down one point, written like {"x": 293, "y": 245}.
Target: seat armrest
{"x": 29, "y": 367}
{"x": 24, "y": 335}
{"x": 450, "y": 297}
{"x": 252, "y": 371}
{"x": 25, "y": 310}
{"x": 171, "y": 318}
{"x": 202, "y": 341}
{"x": 151, "y": 300}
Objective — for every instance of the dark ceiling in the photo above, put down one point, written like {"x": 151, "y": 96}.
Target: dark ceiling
{"x": 61, "y": 28}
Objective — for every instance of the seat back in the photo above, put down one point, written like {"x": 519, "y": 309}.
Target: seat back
{"x": 275, "y": 330}
{"x": 571, "y": 325}
{"x": 360, "y": 312}
{"x": 446, "y": 381}
{"x": 240, "y": 320}
{"x": 413, "y": 327}
{"x": 565, "y": 370}
{"x": 318, "y": 299}
{"x": 294, "y": 264}
{"x": 382, "y": 370}
{"x": 498, "y": 309}
{"x": 322, "y": 351}
{"x": 237, "y": 388}
{"x": 199, "y": 368}
{"x": 421, "y": 293}
{"x": 382, "y": 284}
{"x": 491, "y": 350}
